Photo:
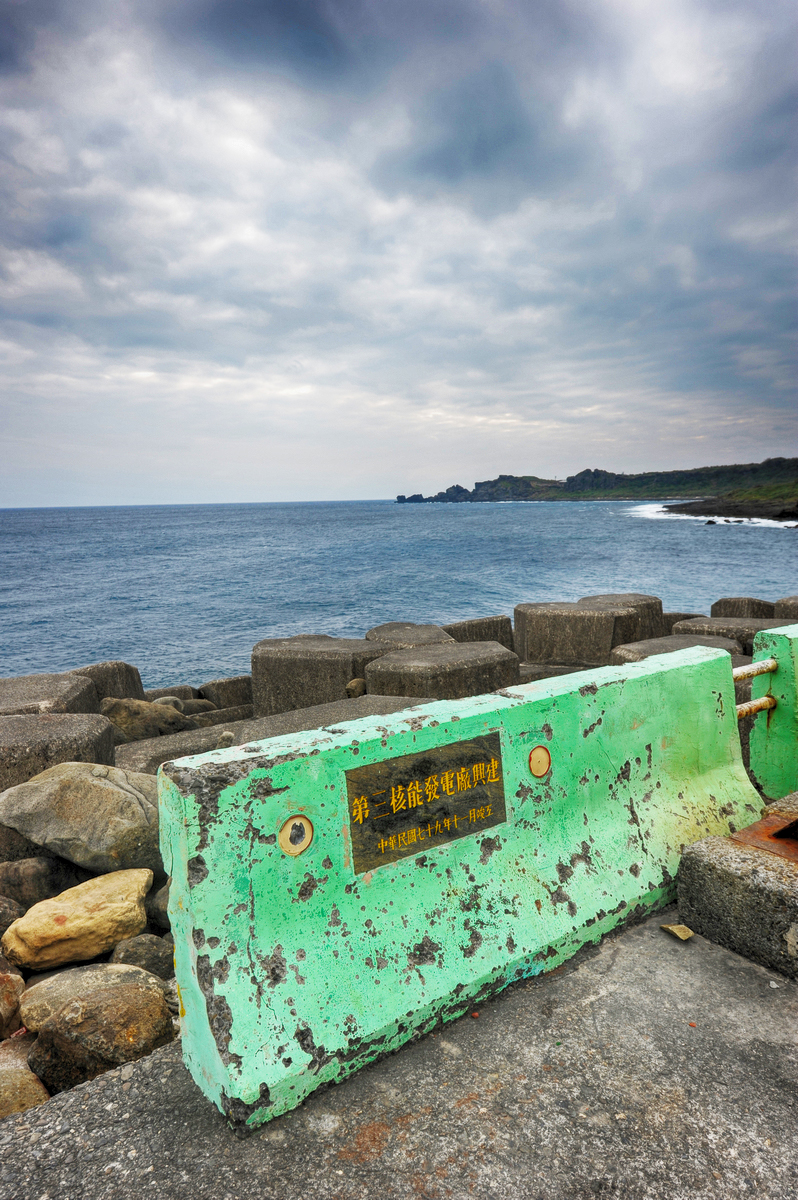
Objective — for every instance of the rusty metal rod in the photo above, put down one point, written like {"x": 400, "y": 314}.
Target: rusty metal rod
{"x": 754, "y": 706}
{"x": 764, "y": 667}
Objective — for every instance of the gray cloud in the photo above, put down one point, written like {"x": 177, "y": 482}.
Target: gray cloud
{"x": 383, "y": 247}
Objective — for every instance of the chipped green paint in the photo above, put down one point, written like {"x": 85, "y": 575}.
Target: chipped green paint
{"x": 295, "y": 971}
{"x": 774, "y": 734}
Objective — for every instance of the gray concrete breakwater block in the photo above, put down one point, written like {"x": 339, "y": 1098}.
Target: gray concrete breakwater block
{"x": 483, "y": 629}
{"x": 31, "y": 744}
{"x": 648, "y": 1069}
{"x": 740, "y": 629}
{"x": 303, "y": 671}
{"x": 147, "y": 756}
{"x": 116, "y": 679}
{"x": 637, "y": 651}
{"x": 587, "y": 630}
{"x": 25, "y": 695}
{"x": 744, "y": 897}
{"x": 450, "y": 671}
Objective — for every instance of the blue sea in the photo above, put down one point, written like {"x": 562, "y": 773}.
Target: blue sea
{"x": 184, "y": 592}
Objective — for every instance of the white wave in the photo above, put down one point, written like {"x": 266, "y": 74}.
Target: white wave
{"x": 656, "y": 512}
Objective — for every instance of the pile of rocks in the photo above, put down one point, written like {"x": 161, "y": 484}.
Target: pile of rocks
{"x": 81, "y": 876}
{"x": 81, "y": 882}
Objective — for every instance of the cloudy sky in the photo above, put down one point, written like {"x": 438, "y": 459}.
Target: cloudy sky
{"x": 338, "y": 249}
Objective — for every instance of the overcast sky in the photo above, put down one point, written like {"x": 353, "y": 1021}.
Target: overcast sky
{"x": 339, "y": 249}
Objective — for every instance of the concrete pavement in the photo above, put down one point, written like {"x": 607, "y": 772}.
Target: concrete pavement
{"x": 647, "y": 1069}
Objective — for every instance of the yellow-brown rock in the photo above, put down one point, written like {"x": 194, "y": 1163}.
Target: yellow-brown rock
{"x": 20, "y": 1089}
{"x": 81, "y": 923}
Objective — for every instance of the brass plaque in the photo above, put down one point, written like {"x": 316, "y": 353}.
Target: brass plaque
{"x": 405, "y": 805}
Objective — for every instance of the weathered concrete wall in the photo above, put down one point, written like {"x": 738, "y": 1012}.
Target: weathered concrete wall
{"x": 297, "y": 968}
{"x": 773, "y": 738}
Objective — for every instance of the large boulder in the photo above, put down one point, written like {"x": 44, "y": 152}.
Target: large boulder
{"x": 115, "y": 678}
{"x": 102, "y": 818}
{"x": 157, "y": 907}
{"x": 149, "y": 952}
{"x": 31, "y": 744}
{"x": 94, "y": 1033}
{"x": 46, "y": 994}
{"x": 14, "y": 846}
{"x": 81, "y": 923}
{"x": 31, "y": 880}
{"x": 12, "y": 986}
{"x": 308, "y": 670}
{"x": 742, "y": 606}
{"x": 20, "y": 1089}
{"x": 23, "y": 695}
{"x": 10, "y": 911}
{"x": 140, "y": 719}
{"x": 445, "y": 672}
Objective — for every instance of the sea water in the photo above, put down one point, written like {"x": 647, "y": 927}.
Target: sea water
{"x": 184, "y": 592}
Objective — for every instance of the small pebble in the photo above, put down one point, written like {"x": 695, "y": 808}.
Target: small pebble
{"x": 773, "y": 983}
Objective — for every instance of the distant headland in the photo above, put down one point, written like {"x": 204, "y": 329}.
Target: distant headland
{"x": 766, "y": 489}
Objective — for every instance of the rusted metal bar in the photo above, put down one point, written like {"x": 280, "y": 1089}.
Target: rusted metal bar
{"x": 764, "y": 667}
{"x": 754, "y": 706}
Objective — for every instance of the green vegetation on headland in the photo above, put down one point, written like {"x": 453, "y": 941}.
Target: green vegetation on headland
{"x": 769, "y": 488}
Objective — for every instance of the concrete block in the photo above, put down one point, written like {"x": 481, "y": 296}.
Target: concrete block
{"x": 669, "y": 619}
{"x": 147, "y": 756}
{"x": 531, "y": 672}
{"x": 483, "y": 629}
{"x": 787, "y": 608}
{"x": 648, "y": 610}
{"x": 637, "y": 651}
{"x": 183, "y": 691}
{"x": 787, "y": 806}
{"x": 743, "y": 898}
{"x": 228, "y": 693}
{"x": 300, "y": 672}
{"x": 445, "y": 672}
{"x": 740, "y": 629}
{"x": 31, "y": 744}
{"x": 585, "y": 631}
{"x": 336, "y": 892}
{"x": 404, "y": 635}
{"x": 742, "y": 606}
{"x": 116, "y": 679}
{"x": 223, "y": 716}
{"x": 29, "y": 694}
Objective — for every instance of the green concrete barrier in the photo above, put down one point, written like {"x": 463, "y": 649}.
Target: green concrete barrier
{"x": 774, "y": 734}
{"x": 336, "y": 893}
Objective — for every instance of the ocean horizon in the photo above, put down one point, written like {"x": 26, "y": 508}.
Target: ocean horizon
{"x": 184, "y": 591}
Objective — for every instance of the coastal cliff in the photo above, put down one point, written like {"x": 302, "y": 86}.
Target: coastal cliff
{"x": 769, "y": 488}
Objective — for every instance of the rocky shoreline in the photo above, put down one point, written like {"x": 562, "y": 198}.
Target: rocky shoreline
{"x": 86, "y": 972}
{"x": 771, "y": 510}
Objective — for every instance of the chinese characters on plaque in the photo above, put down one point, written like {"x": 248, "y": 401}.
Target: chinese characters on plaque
{"x": 404, "y": 805}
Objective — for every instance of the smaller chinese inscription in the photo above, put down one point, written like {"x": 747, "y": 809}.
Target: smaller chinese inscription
{"x": 404, "y": 805}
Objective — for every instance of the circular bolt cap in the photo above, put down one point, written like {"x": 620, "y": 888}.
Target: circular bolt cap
{"x": 295, "y": 835}
{"x": 539, "y": 761}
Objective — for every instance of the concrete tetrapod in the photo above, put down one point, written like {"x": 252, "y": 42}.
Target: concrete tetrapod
{"x": 335, "y": 892}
